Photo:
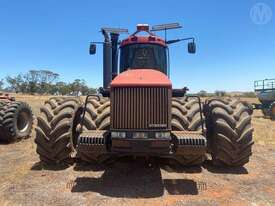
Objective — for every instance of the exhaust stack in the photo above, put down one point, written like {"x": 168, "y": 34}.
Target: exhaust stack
{"x": 114, "y": 40}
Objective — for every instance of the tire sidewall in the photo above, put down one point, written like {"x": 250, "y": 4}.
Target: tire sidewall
{"x": 272, "y": 115}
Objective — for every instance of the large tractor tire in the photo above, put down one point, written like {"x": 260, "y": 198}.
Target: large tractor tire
{"x": 16, "y": 121}
{"x": 2, "y": 104}
{"x": 97, "y": 117}
{"x": 229, "y": 131}
{"x": 53, "y": 132}
{"x": 186, "y": 117}
{"x": 2, "y": 113}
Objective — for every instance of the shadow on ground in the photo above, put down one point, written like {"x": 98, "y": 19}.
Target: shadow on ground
{"x": 6, "y": 142}
{"x": 168, "y": 166}
{"x": 41, "y": 166}
{"x": 134, "y": 179}
{"x": 224, "y": 170}
{"x": 138, "y": 178}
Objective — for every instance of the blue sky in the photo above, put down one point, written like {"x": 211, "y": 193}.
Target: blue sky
{"x": 48, "y": 34}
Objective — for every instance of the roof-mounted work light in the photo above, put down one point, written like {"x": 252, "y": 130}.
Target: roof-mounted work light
{"x": 143, "y": 27}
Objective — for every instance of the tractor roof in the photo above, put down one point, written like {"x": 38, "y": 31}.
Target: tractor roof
{"x": 147, "y": 39}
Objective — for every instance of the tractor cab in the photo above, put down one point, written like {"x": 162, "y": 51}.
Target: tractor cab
{"x": 143, "y": 52}
{"x": 137, "y": 51}
{"x": 143, "y": 55}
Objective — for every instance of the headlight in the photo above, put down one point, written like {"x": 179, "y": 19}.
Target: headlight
{"x": 140, "y": 135}
{"x": 162, "y": 135}
{"x": 118, "y": 134}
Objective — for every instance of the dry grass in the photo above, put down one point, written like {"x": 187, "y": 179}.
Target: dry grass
{"x": 34, "y": 100}
{"x": 264, "y": 129}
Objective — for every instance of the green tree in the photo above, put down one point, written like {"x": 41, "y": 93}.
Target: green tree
{"x": 220, "y": 93}
{"x": 40, "y": 81}
{"x": 61, "y": 88}
{"x": 17, "y": 83}
{"x": 34, "y": 81}
{"x": 79, "y": 87}
{"x": 202, "y": 93}
{"x": 45, "y": 82}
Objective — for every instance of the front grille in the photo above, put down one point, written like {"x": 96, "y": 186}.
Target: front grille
{"x": 141, "y": 108}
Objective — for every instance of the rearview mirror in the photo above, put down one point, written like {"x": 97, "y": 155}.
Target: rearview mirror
{"x": 92, "y": 50}
{"x": 192, "y": 47}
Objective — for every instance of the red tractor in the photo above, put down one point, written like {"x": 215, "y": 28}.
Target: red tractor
{"x": 16, "y": 119}
{"x": 138, "y": 113}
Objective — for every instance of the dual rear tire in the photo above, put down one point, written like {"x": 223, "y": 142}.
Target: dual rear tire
{"x": 97, "y": 117}
{"x": 58, "y": 125}
{"x": 53, "y": 132}
{"x": 186, "y": 117}
{"x": 229, "y": 131}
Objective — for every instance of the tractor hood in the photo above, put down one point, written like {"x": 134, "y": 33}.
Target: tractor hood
{"x": 141, "y": 78}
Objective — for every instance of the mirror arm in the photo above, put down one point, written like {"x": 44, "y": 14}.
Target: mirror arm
{"x": 178, "y": 40}
{"x": 173, "y": 41}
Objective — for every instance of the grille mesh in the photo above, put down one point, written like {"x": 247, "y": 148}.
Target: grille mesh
{"x": 140, "y": 108}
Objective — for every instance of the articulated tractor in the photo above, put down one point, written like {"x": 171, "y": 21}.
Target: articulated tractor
{"x": 137, "y": 112}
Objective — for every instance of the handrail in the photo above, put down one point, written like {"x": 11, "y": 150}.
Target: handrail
{"x": 264, "y": 85}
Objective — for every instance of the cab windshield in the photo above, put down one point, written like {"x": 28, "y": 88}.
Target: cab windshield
{"x": 143, "y": 56}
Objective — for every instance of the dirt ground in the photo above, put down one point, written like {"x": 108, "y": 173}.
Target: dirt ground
{"x": 23, "y": 180}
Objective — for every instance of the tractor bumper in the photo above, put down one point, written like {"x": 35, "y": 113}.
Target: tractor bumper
{"x": 179, "y": 143}
{"x": 92, "y": 143}
{"x": 189, "y": 143}
{"x": 141, "y": 146}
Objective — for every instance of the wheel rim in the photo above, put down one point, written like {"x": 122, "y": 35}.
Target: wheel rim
{"x": 23, "y": 121}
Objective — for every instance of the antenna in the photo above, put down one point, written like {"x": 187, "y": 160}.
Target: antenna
{"x": 161, "y": 27}
{"x": 165, "y": 27}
